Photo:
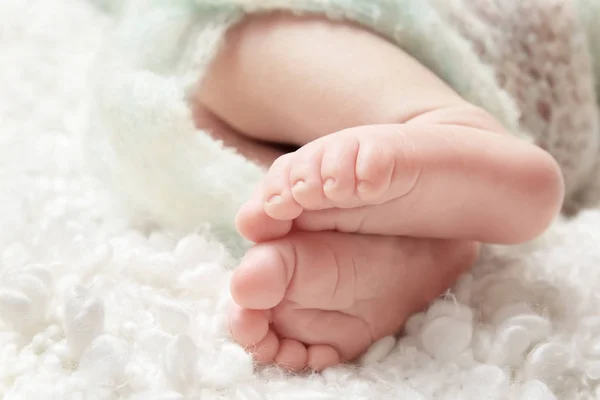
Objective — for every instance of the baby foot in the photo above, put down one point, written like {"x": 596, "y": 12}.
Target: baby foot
{"x": 342, "y": 170}
{"x": 417, "y": 180}
{"x": 316, "y": 299}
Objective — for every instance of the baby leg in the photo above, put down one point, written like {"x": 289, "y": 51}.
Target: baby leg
{"x": 294, "y": 80}
{"x": 317, "y": 299}
{"x": 471, "y": 182}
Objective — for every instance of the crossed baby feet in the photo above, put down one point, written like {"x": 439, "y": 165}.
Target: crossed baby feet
{"x": 339, "y": 262}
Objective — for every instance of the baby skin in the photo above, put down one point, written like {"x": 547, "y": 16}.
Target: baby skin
{"x": 395, "y": 182}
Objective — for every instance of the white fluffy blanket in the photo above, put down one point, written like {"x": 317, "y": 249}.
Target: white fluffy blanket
{"x": 94, "y": 306}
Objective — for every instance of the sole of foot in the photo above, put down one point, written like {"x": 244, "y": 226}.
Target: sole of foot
{"x": 445, "y": 182}
{"x": 313, "y": 300}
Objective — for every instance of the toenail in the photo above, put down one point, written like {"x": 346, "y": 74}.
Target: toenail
{"x": 299, "y": 185}
{"x": 275, "y": 199}
{"x": 329, "y": 184}
{"x": 364, "y": 186}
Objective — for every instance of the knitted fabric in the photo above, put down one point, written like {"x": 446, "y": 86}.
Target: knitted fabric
{"x": 530, "y": 63}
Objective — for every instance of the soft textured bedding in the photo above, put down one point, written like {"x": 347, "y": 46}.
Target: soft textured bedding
{"x": 97, "y": 305}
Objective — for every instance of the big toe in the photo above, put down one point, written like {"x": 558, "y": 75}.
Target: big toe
{"x": 261, "y": 280}
{"x": 254, "y": 224}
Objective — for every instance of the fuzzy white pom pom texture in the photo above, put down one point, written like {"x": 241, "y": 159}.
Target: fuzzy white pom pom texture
{"x": 96, "y": 306}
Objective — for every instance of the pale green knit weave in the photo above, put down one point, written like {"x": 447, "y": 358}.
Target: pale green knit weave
{"x": 494, "y": 53}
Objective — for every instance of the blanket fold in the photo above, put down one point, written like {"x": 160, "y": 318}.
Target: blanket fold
{"x": 530, "y": 63}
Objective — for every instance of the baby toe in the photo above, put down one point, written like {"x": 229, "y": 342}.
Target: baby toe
{"x": 278, "y": 201}
{"x": 292, "y": 355}
{"x": 322, "y": 356}
{"x": 305, "y": 178}
{"x": 375, "y": 165}
{"x": 337, "y": 168}
{"x": 265, "y": 351}
{"x": 248, "y": 327}
{"x": 261, "y": 280}
{"x": 254, "y": 224}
